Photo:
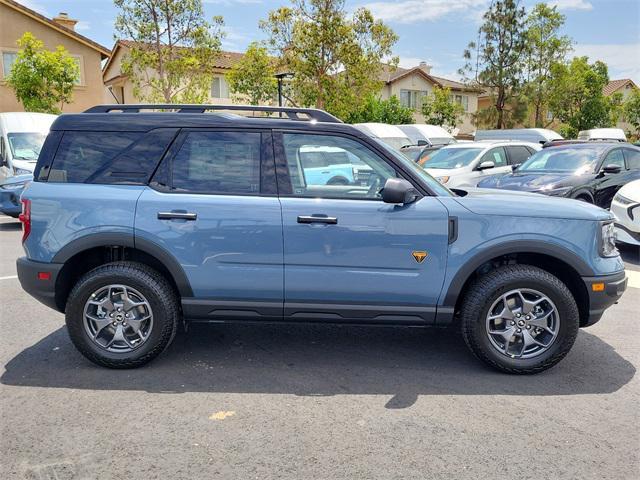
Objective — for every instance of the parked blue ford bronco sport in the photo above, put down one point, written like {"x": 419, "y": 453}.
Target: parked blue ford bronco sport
{"x": 140, "y": 220}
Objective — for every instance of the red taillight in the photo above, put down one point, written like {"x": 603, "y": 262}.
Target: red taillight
{"x": 25, "y": 218}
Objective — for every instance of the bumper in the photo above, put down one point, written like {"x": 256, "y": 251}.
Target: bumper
{"x": 10, "y": 202}
{"x": 38, "y": 286}
{"x": 605, "y": 296}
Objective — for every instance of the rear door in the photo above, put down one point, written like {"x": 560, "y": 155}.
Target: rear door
{"x": 518, "y": 154}
{"x": 607, "y": 184}
{"x": 348, "y": 255}
{"x": 212, "y": 206}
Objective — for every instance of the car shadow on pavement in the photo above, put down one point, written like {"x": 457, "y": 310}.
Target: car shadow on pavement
{"x": 320, "y": 360}
{"x": 630, "y": 254}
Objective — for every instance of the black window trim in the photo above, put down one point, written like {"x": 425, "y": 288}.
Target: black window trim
{"x": 285, "y": 187}
{"x": 268, "y": 185}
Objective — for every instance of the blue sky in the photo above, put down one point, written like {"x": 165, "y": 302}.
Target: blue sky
{"x": 436, "y": 31}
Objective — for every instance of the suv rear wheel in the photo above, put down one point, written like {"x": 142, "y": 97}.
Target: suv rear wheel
{"x": 122, "y": 314}
{"x": 519, "y": 319}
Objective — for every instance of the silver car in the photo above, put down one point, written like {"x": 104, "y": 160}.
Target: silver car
{"x": 465, "y": 164}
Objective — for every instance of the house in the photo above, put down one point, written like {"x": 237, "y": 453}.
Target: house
{"x": 624, "y": 87}
{"x": 16, "y": 19}
{"x": 410, "y": 85}
{"x": 118, "y": 88}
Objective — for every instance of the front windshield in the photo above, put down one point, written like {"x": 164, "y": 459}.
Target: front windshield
{"x": 452, "y": 157}
{"x": 442, "y": 140}
{"x": 26, "y": 145}
{"x": 433, "y": 184}
{"x": 579, "y": 161}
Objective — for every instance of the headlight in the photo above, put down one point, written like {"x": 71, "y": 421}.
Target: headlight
{"x": 622, "y": 200}
{"x": 13, "y": 186}
{"x": 21, "y": 171}
{"x": 608, "y": 240}
{"x": 550, "y": 190}
{"x": 442, "y": 180}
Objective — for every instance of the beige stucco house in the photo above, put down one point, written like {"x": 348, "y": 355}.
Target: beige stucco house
{"x": 118, "y": 88}
{"x": 16, "y": 19}
{"x": 624, "y": 86}
{"x": 410, "y": 85}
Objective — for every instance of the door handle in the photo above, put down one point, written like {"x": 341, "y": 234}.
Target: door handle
{"x": 177, "y": 216}
{"x": 317, "y": 219}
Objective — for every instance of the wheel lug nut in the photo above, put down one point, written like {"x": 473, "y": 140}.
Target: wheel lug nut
{"x": 519, "y": 330}
{"x": 528, "y": 327}
{"x": 518, "y": 315}
{"x": 527, "y": 317}
{"x": 513, "y": 323}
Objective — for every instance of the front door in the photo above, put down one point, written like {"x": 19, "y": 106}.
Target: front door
{"x": 349, "y": 256}
{"x": 214, "y": 209}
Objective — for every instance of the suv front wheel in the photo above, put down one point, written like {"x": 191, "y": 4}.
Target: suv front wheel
{"x": 519, "y": 319}
{"x": 122, "y": 314}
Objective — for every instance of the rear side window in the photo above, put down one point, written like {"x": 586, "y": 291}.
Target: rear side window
{"x": 518, "y": 154}
{"x": 82, "y": 154}
{"x": 218, "y": 162}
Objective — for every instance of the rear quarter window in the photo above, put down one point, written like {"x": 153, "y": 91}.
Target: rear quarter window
{"x": 108, "y": 157}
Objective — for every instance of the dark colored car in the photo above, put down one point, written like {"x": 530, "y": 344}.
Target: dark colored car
{"x": 587, "y": 171}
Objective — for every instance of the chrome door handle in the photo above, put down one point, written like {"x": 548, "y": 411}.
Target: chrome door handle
{"x": 177, "y": 216}
{"x": 317, "y": 219}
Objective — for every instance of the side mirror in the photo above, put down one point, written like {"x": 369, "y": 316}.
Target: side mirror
{"x": 611, "y": 169}
{"x": 486, "y": 165}
{"x": 422, "y": 143}
{"x": 398, "y": 190}
{"x": 515, "y": 166}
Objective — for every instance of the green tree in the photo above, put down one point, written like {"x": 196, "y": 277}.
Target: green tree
{"x": 335, "y": 56}
{"x": 544, "y": 47}
{"x": 439, "y": 108}
{"x": 173, "y": 49}
{"x": 499, "y": 55}
{"x": 42, "y": 80}
{"x": 253, "y": 76}
{"x": 631, "y": 111}
{"x": 577, "y": 99}
{"x": 375, "y": 109}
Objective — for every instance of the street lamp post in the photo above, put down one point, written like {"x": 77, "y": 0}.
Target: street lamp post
{"x": 281, "y": 77}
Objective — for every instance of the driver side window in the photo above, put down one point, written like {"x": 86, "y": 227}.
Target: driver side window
{"x": 328, "y": 166}
{"x": 614, "y": 157}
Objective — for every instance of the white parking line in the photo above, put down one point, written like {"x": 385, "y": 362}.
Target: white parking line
{"x": 9, "y": 277}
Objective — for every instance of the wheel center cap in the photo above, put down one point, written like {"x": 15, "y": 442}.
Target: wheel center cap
{"x": 521, "y": 323}
{"x": 119, "y": 317}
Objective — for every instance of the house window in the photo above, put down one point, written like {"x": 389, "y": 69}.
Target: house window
{"x": 8, "y": 58}
{"x": 219, "y": 88}
{"x": 78, "y": 60}
{"x": 462, "y": 100}
{"x": 412, "y": 98}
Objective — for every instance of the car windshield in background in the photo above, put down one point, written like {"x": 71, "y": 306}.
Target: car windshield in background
{"x": 396, "y": 142}
{"x": 452, "y": 157}
{"x": 442, "y": 141}
{"x": 26, "y": 145}
{"x": 579, "y": 161}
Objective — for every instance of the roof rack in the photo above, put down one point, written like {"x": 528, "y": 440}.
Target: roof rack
{"x": 299, "y": 114}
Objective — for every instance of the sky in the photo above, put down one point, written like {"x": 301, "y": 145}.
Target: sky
{"x": 435, "y": 31}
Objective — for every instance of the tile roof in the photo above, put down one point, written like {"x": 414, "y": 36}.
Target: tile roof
{"x": 224, "y": 60}
{"x": 614, "y": 85}
{"x": 104, "y": 51}
{"x": 389, "y": 75}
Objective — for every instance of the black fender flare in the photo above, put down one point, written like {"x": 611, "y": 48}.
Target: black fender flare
{"x": 126, "y": 239}
{"x": 512, "y": 247}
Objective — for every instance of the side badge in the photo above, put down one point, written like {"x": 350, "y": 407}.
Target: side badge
{"x": 419, "y": 256}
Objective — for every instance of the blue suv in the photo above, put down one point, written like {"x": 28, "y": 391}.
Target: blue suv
{"x": 138, "y": 221}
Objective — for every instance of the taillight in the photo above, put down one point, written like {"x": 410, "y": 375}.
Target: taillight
{"x": 25, "y": 218}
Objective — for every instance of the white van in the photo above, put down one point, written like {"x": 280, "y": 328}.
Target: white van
{"x": 603, "y": 134}
{"x": 21, "y": 137}
{"x": 389, "y": 134}
{"x": 432, "y": 134}
{"x": 535, "y": 135}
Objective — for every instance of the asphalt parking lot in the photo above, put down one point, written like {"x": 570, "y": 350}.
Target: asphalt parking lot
{"x": 313, "y": 402}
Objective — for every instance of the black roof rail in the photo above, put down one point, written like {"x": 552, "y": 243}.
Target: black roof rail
{"x": 300, "y": 114}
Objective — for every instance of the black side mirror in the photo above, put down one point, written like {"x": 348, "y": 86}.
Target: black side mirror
{"x": 422, "y": 143}
{"x": 398, "y": 190}
{"x": 515, "y": 166}
{"x": 611, "y": 169}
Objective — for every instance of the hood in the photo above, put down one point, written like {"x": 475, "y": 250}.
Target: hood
{"x": 27, "y": 165}
{"x": 534, "y": 182}
{"x": 524, "y": 204}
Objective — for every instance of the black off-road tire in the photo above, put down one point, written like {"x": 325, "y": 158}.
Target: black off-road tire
{"x": 485, "y": 290}
{"x": 157, "y": 290}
